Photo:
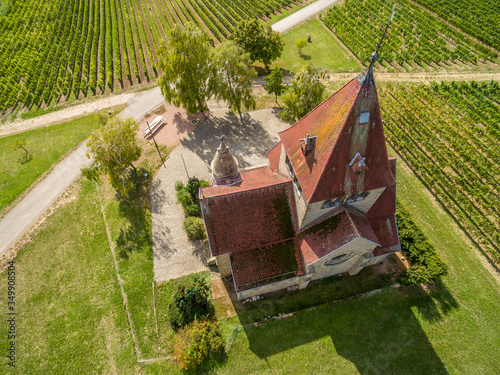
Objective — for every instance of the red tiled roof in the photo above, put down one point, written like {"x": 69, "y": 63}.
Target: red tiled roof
{"x": 267, "y": 264}
{"x": 383, "y": 221}
{"x": 274, "y": 156}
{"x": 327, "y": 236}
{"x": 325, "y": 173}
{"x": 243, "y": 219}
{"x": 325, "y": 122}
{"x": 254, "y": 178}
{"x": 392, "y": 164}
{"x": 362, "y": 226}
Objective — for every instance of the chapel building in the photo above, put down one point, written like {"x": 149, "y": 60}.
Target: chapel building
{"x": 324, "y": 205}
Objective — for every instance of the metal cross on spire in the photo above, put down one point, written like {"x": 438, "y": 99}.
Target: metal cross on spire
{"x": 375, "y": 55}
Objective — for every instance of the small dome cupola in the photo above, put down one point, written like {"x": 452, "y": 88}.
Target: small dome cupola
{"x": 224, "y": 166}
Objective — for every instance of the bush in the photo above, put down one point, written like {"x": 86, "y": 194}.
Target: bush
{"x": 426, "y": 265}
{"x": 196, "y": 342}
{"x": 187, "y": 195}
{"x": 191, "y": 299}
{"x": 194, "y": 227}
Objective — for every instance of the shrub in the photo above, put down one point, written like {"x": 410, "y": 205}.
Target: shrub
{"x": 187, "y": 195}
{"x": 197, "y": 342}
{"x": 191, "y": 299}
{"x": 426, "y": 265}
{"x": 194, "y": 227}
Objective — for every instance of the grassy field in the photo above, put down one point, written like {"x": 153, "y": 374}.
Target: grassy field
{"x": 71, "y": 318}
{"x": 324, "y": 50}
{"x": 46, "y": 146}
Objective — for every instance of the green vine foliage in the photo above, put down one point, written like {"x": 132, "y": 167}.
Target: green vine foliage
{"x": 426, "y": 265}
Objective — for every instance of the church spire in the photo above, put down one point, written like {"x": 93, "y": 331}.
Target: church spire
{"x": 369, "y": 80}
{"x": 224, "y": 166}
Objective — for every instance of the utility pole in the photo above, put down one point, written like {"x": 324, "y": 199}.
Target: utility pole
{"x": 157, "y": 149}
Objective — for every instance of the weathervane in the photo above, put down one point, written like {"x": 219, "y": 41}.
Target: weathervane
{"x": 375, "y": 55}
{"x": 368, "y": 79}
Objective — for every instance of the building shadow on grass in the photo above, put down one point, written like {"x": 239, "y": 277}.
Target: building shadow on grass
{"x": 245, "y": 137}
{"x": 380, "y": 334}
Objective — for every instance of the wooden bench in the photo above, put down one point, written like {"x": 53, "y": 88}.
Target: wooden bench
{"x": 153, "y": 127}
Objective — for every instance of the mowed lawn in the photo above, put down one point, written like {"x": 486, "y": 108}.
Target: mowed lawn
{"x": 70, "y": 313}
{"x": 46, "y": 146}
{"x": 72, "y": 319}
{"x": 324, "y": 50}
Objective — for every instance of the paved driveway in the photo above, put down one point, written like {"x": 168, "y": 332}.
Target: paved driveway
{"x": 302, "y": 15}
{"x": 249, "y": 140}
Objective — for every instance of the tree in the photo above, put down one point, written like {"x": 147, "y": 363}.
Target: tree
{"x": 274, "y": 83}
{"x": 114, "y": 148}
{"x": 20, "y": 144}
{"x": 262, "y": 43}
{"x": 184, "y": 60}
{"x": 300, "y": 43}
{"x": 233, "y": 75}
{"x": 305, "y": 94}
{"x": 190, "y": 300}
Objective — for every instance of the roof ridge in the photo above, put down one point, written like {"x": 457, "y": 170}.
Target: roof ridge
{"x": 312, "y": 110}
{"x": 333, "y": 148}
{"x": 248, "y": 189}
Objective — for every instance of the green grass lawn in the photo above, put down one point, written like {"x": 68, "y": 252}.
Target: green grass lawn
{"x": 46, "y": 146}
{"x": 71, "y": 318}
{"x": 324, "y": 50}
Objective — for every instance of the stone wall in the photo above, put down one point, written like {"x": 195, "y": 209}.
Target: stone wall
{"x": 224, "y": 265}
{"x": 300, "y": 281}
{"x": 357, "y": 248}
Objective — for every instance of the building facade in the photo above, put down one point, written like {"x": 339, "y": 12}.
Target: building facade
{"x": 324, "y": 205}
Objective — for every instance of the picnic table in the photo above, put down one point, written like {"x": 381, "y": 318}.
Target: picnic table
{"x": 153, "y": 127}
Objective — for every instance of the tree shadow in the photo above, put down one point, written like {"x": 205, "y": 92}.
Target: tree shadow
{"x": 378, "y": 334}
{"x": 439, "y": 303}
{"x": 245, "y": 137}
{"x": 25, "y": 159}
{"x": 135, "y": 208}
{"x": 201, "y": 250}
{"x": 185, "y": 122}
{"x": 305, "y": 57}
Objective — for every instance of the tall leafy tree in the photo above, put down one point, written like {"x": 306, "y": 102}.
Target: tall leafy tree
{"x": 305, "y": 94}
{"x": 261, "y": 42}
{"x": 187, "y": 72}
{"x": 114, "y": 148}
{"x": 274, "y": 83}
{"x": 233, "y": 75}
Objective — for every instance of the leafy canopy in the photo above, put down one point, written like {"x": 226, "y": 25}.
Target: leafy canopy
{"x": 274, "y": 83}
{"x": 187, "y": 72}
{"x": 196, "y": 342}
{"x": 114, "y": 148}
{"x": 191, "y": 299}
{"x": 305, "y": 94}
{"x": 261, "y": 42}
{"x": 300, "y": 43}
{"x": 233, "y": 75}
